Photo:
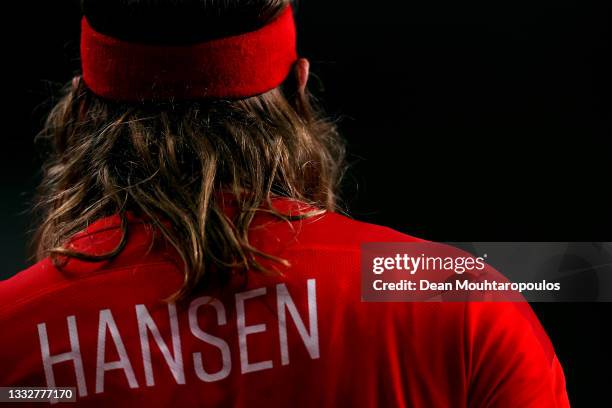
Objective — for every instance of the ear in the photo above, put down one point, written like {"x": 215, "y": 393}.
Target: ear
{"x": 302, "y": 69}
{"x": 75, "y": 81}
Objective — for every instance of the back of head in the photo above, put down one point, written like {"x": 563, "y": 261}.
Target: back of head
{"x": 174, "y": 160}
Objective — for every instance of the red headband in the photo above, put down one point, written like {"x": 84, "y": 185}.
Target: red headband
{"x": 233, "y": 67}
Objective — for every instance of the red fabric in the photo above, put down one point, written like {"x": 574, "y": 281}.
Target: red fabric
{"x": 233, "y": 67}
{"x": 333, "y": 350}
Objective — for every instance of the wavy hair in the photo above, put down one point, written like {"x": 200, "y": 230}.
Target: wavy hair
{"x": 171, "y": 161}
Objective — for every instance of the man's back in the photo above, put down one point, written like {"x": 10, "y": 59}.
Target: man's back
{"x": 300, "y": 336}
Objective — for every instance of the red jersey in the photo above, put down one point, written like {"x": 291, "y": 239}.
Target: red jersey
{"x": 302, "y": 337}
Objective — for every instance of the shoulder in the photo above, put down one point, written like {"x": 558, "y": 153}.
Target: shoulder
{"x": 340, "y": 231}
{"x": 37, "y": 280}
{"x": 348, "y": 228}
{"x": 335, "y": 228}
{"x": 315, "y": 228}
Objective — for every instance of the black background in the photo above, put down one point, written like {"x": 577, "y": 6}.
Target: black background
{"x": 482, "y": 121}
